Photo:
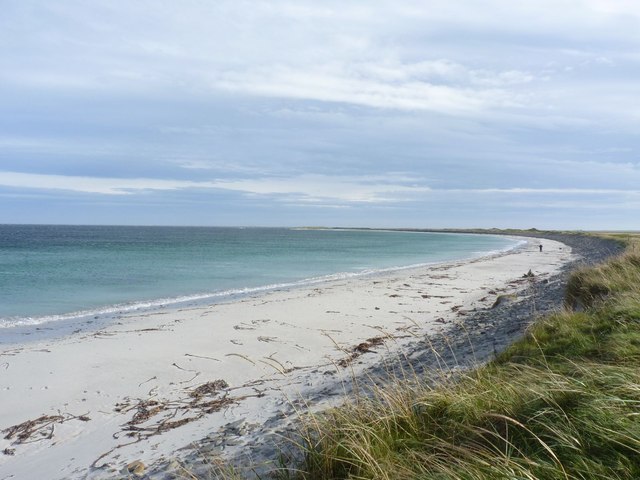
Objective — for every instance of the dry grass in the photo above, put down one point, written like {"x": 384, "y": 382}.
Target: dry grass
{"x": 562, "y": 403}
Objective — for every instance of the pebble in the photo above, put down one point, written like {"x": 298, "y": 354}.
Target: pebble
{"x": 136, "y": 467}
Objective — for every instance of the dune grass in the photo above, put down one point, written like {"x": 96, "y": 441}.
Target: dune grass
{"x": 561, "y": 403}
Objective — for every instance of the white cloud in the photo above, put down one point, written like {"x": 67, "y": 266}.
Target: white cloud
{"x": 244, "y": 96}
{"x": 105, "y": 186}
{"x": 304, "y": 188}
{"x": 615, "y": 7}
{"x": 317, "y": 188}
{"x": 550, "y": 191}
{"x": 382, "y": 54}
{"x": 215, "y": 165}
{"x": 404, "y": 87}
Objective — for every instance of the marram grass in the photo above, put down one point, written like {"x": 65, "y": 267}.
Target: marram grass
{"x": 562, "y": 403}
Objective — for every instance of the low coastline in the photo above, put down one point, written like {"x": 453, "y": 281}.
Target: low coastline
{"x": 47, "y": 327}
{"x": 267, "y": 362}
{"x": 473, "y": 339}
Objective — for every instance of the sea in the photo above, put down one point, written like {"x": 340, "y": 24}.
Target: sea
{"x": 50, "y": 274}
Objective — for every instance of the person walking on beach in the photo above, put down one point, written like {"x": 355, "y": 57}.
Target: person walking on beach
{"x": 540, "y": 247}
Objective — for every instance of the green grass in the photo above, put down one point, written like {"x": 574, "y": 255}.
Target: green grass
{"x": 562, "y": 403}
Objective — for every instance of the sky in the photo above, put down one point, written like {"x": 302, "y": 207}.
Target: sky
{"x": 376, "y": 113}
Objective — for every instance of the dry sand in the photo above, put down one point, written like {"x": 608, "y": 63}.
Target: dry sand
{"x": 150, "y": 385}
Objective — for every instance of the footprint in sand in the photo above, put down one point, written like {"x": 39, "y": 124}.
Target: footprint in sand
{"x": 243, "y": 327}
{"x": 262, "y": 320}
{"x": 268, "y": 339}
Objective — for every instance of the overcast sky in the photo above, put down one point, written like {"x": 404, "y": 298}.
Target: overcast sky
{"x": 433, "y": 113}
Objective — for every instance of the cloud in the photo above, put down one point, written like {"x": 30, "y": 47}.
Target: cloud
{"x": 619, "y": 7}
{"x": 439, "y": 86}
{"x": 549, "y": 191}
{"x": 104, "y": 186}
{"x": 294, "y": 102}
{"x": 304, "y": 188}
{"x": 460, "y": 58}
{"x": 318, "y": 188}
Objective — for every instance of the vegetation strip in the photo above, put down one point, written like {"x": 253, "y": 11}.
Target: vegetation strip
{"x": 563, "y": 402}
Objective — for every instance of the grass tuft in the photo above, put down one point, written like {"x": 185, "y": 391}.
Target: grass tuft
{"x": 561, "y": 403}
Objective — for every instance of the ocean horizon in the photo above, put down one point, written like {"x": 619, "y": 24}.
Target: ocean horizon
{"x": 54, "y": 273}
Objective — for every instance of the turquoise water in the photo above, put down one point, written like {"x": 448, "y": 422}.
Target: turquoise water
{"x": 52, "y": 273}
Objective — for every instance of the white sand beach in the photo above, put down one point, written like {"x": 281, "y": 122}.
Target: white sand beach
{"x": 149, "y": 385}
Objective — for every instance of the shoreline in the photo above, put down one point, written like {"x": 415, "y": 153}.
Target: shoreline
{"x": 152, "y": 384}
{"x": 55, "y": 326}
{"x": 476, "y": 340}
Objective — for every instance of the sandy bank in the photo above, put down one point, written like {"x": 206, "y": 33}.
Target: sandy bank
{"x": 148, "y": 386}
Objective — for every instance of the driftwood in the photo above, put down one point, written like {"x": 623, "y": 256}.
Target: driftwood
{"x": 361, "y": 348}
{"x": 155, "y": 417}
{"x": 41, "y": 428}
